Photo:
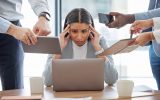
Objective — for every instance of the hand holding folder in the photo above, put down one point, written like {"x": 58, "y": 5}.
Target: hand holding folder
{"x": 122, "y": 46}
{"x": 44, "y": 45}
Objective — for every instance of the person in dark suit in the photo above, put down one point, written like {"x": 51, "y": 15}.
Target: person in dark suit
{"x": 11, "y": 36}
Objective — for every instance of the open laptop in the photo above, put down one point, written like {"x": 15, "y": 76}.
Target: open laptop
{"x": 78, "y": 74}
{"x": 45, "y": 45}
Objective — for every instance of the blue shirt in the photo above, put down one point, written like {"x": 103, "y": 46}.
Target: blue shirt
{"x": 4, "y": 25}
{"x": 10, "y": 10}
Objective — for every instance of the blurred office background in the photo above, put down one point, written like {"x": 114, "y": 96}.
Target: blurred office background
{"x": 134, "y": 65}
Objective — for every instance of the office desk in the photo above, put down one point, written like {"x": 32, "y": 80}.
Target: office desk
{"x": 107, "y": 93}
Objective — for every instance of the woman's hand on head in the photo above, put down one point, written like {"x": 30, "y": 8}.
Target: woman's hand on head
{"x": 95, "y": 37}
{"x": 64, "y": 37}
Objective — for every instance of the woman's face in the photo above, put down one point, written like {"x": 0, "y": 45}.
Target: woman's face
{"x": 79, "y": 33}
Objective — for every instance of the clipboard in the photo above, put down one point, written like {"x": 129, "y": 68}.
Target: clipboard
{"x": 122, "y": 46}
{"x": 44, "y": 45}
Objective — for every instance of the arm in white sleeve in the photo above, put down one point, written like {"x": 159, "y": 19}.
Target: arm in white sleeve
{"x": 4, "y": 25}
{"x": 39, "y": 6}
{"x": 156, "y": 27}
{"x": 156, "y": 34}
{"x": 156, "y": 23}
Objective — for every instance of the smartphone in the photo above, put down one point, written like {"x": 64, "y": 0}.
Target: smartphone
{"x": 105, "y": 18}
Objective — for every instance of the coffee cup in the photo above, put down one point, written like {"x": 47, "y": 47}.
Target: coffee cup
{"x": 125, "y": 88}
{"x": 36, "y": 84}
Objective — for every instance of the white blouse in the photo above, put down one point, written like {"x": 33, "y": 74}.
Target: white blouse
{"x": 156, "y": 27}
{"x": 79, "y": 52}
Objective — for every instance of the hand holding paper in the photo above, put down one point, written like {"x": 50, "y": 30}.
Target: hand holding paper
{"x": 122, "y": 46}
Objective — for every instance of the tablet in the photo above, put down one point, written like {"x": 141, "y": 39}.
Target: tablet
{"x": 122, "y": 46}
{"x": 44, "y": 45}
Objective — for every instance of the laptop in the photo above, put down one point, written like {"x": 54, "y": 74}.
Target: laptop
{"x": 45, "y": 45}
{"x": 78, "y": 74}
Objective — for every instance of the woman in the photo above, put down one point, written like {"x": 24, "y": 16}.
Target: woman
{"x": 80, "y": 40}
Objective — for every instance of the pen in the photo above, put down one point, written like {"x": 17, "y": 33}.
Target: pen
{"x": 131, "y": 34}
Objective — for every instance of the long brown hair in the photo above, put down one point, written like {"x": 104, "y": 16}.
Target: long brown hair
{"x": 80, "y": 15}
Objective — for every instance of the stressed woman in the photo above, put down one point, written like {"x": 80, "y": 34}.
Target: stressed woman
{"x": 80, "y": 40}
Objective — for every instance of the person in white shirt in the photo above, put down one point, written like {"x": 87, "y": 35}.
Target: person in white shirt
{"x": 11, "y": 35}
{"x": 80, "y": 40}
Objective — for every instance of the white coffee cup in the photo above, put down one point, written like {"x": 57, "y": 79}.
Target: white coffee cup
{"x": 125, "y": 88}
{"x": 36, "y": 84}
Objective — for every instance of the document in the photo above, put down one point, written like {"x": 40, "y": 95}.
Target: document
{"x": 34, "y": 97}
{"x": 83, "y": 98}
{"x": 122, "y": 46}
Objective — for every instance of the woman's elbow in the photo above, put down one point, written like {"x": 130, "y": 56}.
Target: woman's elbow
{"x": 111, "y": 79}
{"x": 47, "y": 83}
{"x": 110, "y": 74}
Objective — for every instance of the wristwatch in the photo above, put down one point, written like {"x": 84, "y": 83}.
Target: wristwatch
{"x": 45, "y": 14}
{"x": 99, "y": 52}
